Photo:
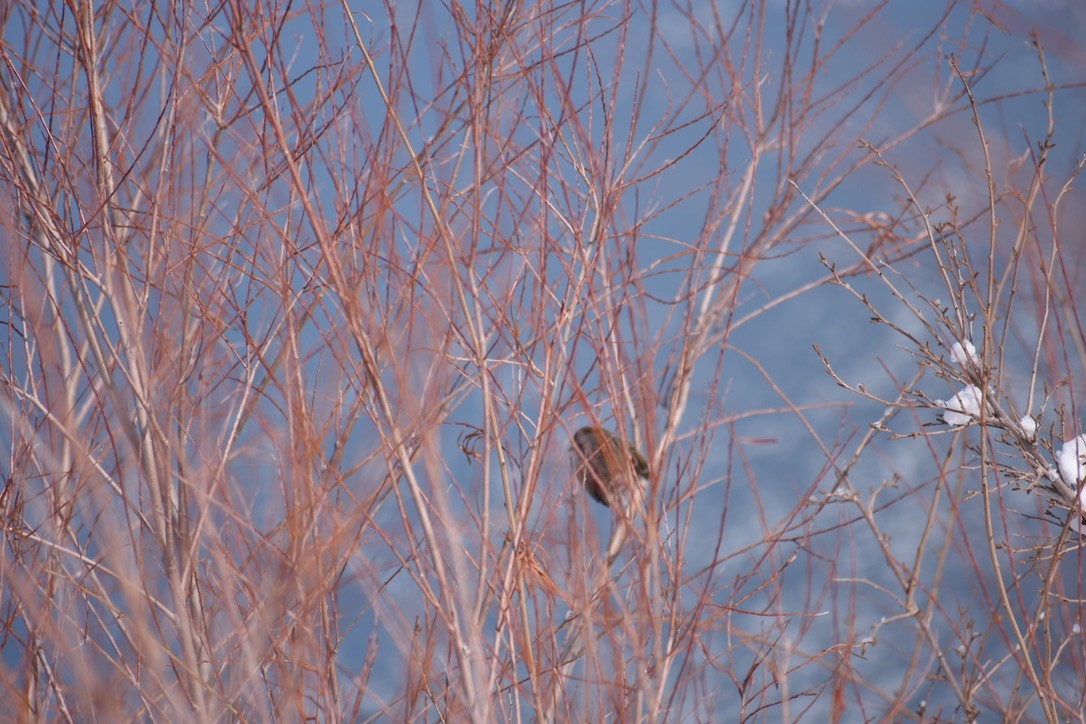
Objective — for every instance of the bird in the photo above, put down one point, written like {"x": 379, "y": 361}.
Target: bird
{"x": 603, "y": 463}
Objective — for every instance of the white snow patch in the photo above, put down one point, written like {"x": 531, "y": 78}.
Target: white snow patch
{"x": 1071, "y": 461}
{"x": 963, "y": 352}
{"x": 963, "y": 407}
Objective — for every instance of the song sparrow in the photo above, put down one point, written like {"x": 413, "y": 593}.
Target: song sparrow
{"x": 604, "y": 463}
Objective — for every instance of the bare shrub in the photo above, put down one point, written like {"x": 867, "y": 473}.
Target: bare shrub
{"x": 305, "y": 304}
